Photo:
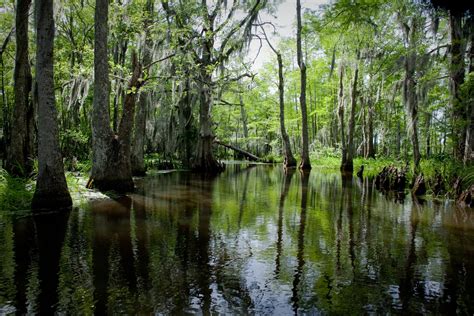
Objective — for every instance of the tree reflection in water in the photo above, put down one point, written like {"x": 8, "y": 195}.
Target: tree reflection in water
{"x": 251, "y": 240}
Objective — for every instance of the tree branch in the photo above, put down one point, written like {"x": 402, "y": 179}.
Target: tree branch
{"x": 159, "y": 61}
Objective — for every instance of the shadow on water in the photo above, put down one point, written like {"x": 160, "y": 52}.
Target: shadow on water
{"x": 253, "y": 240}
{"x": 288, "y": 175}
{"x": 347, "y": 185}
{"x": 37, "y": 248}
{"x": 112, "y": 252}
{"x": 301, "y": 232}
{"x": 120, "y": 253}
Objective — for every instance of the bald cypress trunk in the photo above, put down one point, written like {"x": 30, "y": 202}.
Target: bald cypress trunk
{"x": 347, "y": 164}
{"x": 20, "y": 151}
{"x": 370, "y": 129}
{"x": 411, "y": 106}
{"x": 469, "y": 147}
{"x": 204, "y": 160}
{"x": 138, "y": 152}
{"x": 102, "y": 134}
{"x": 341, "y": 115}
{"x": 111, "y": 164}
{"x": 51, "y": 188}
{"x": 456, "y": 75}
{"x": 409, "y": 87}
{"x": 305, "y": 163}
{"x": 289, "y": 159}
{"x": 137, "y": 158}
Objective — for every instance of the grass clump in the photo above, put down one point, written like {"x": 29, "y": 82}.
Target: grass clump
{"x": 15, "y": 194}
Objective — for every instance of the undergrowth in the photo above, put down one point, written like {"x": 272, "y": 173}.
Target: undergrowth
{"x": 15, "y": 194}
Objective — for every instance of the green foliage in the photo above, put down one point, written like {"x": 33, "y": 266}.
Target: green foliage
{"x": 468, "y": 177}
{"x": 157, "y": 161}
{"x": 342, "y": 34}
{"x": 74, "y": 143}
{"x": 373, "y": 166}
{"x": 15, "y": 194}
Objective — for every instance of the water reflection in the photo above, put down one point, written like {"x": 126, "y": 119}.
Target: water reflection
{"x": 33, "y": 280}
{"x": 301, "y": 231}
{"x": 284, "y": 192}
{"x": 252, "y": 240}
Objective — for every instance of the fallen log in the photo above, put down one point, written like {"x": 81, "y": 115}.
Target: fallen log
{"x": 250, "y": 156}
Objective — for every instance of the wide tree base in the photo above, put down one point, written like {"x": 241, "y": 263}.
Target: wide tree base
{"x": 210, "y": 166}
{"x": 305, "y": 164}
{"x": 289, "y": 162}
{"x": 117, "y": 185}
{"x": 205, "y": 162}
{"x": 51, "y": 201}
{"x": 347, "y": 167}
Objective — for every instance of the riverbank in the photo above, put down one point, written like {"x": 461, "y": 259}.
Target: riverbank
{"x": 16, "y": 193}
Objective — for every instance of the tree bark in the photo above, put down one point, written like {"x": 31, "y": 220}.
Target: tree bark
{"x": 187, "y": 129}
{"x": 347, "y": 165}
{"x": 370, "y": 129}
{"x": 5, "y": 140}
{"x": 51, "y": 187}
{"x": 469, "y": 147}
{"x": 102, "y": 134}
{"x": 456, "y": 75}
{"x": 428, "y": 134}
{"x": 289, "y": 159}
{"x": 111, "y": 165}
{"x": 124, "y": 138}
{"x": 205, "y": 161}
{"x": 411, "y": 106}
{"x": 138, "y": 154}
{"x": 341, "y": 115}
{"x": 409, "y": 90}
{"x": 305, "y": 163}
{"x": 21, "y": 146}
{"x": 243, "y": 117}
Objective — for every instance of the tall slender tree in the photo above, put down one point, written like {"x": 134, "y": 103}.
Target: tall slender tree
{"x": 137, "y": 155}
{"x": 289, "y": 159}
{"x": 347, "y": 164}
{"x": 305, "y": 163}
{"x": 20, "y": 150}
{"x": 101, "y": 131}
{"x": 341, "y": 106}
{"x": 410, "y": 26}
{"x": 456, "y": 76}
{"x": 51, "y": 187}
{"x": 469, "y": 147}
{"x": 461, "y": 28}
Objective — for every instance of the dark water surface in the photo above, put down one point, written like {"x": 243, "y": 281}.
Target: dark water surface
{"x": 252, "y": 240}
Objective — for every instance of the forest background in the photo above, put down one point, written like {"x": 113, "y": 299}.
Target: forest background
{"x": 385, "y": 83}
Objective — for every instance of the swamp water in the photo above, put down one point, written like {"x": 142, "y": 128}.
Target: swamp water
{"x": 250, "y": 241}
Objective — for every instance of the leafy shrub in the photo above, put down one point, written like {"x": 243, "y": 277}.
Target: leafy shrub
{"x": 74, "y": 143}
{"x": 15, "y": 194}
